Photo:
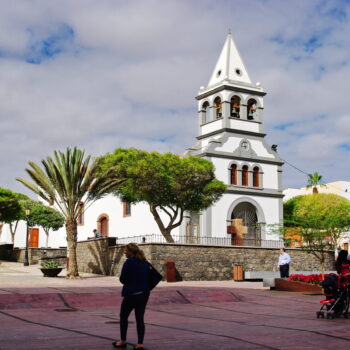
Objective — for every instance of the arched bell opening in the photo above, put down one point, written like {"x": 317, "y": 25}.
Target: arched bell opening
{"x": 251, "y": 109}
{"x": 218, "y": 108}
{"x": 235, "y": 107}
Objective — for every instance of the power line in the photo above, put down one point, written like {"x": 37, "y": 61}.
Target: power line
{"x": 304, "y": 172}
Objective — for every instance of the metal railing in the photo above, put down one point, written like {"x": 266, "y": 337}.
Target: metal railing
{"x": 213, "y": 241}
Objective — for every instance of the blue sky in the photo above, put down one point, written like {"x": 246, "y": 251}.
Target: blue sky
{"x": 106, "y": 74}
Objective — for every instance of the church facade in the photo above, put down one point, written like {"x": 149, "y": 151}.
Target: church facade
{"x": 231, "y": 135}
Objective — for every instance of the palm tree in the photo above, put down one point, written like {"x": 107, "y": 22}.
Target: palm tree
{"x": 67, "y": 180}
{"x": 314, "y": 180}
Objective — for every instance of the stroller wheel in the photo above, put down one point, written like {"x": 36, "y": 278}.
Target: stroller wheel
{"x": 320, "y": 314}
{"x": 331, "y": 315}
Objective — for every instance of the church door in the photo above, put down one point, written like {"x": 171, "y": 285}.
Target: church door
{"x": 247, "y": 231}
{"x": 104, "y": 226}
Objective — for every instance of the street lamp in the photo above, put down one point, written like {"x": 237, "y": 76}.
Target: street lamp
{"x": 26, "y": 260}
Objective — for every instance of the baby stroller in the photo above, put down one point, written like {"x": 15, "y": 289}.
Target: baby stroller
{"x": 336, "y": 290}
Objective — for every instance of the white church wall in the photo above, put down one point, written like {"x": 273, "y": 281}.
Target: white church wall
{"x": 230, "y": 145}
{"x": 269, "y": 176}
{"x": 260, "y": 149}
{"x": 211, "y": 126}
{"x": 244, "y": 125}
{"x": 205, "y": 142}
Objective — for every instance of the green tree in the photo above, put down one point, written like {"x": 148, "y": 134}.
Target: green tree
{"x": 11, "y": 210}
{"x": 320, "y": 220}
{"x": 66, "y": 180}
{"x": 313, "y": 180}
{"x": 168, "y": 183}
{"x": 45, "y": 217}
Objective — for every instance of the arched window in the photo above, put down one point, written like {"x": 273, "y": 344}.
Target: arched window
{"x": 244, "y": 175}
{"x": 233, "y": 174}
{"x": 256, "y": 177}
{"x": 218, "y": 108}
{"x": 205, "y": 112}
{"x": 80, "y": 218}
{"x": 251, "y": 109}
{"x": 235, "y": 106}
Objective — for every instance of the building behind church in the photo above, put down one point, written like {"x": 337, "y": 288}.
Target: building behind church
{"x": 231, "y": 135}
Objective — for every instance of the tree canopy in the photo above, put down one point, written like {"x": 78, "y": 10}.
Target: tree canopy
{"x": 313, "y": 180}
{"x": 320, "y": 220}
{"x": 166, "y": 182}
{"x": 10, "y": 207}
{"x": 321, "y": 211}
{"x": 68, "y": 179}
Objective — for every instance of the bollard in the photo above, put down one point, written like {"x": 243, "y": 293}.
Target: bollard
{"x": 170, "y": 270}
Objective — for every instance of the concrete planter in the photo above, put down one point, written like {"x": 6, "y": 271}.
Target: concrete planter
{"x": 296, "y": 286}
{"x": 51, "y": 272}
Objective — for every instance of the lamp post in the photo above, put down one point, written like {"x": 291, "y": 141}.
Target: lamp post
{"x": 26, "y": 260}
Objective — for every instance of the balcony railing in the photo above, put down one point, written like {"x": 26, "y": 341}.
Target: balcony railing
{"x": 213, "y": 241}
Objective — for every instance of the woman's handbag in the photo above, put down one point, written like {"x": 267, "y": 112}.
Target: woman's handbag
{"x": 154, "y": 277}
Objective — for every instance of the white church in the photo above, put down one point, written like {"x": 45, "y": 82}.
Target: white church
{"x": 231, "y": 135}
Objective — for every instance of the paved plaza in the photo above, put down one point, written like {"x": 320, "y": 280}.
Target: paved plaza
{"x": 55, "y": 313}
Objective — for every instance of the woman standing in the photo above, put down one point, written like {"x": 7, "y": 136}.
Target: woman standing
{"x": 343, "y": 264}
{"x": 136, "y": 291}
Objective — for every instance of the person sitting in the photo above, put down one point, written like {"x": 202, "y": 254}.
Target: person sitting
{"x": 97, "y": 234}
{"x": 342, "y": 264}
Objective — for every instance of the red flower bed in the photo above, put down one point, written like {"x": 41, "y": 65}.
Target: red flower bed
{"x": 313, "y": 279}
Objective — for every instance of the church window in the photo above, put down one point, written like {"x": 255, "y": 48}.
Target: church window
{"x": 126, "y": 208}
{"x": 244, "y": 175}
{"x": 205, "y": 112}
{"x": 238, "y": 71}
{"x": 80, "y": 218}
{"x": 235, "y": 106}
{"x": 251, "y": 109}
{"x": 218, "y": 73}
{"x": 218, "y": 108}
{"x": 256, "y": 177}
{"x": 233, "y": 174}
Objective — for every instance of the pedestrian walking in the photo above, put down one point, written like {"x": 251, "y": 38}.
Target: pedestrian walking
{"x": 135, "y": 277}
{"x": 283, "y": 263}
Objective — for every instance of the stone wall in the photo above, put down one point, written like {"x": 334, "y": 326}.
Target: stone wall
{"x": 36, "y": 254}
{"x": 215, "y": 263}
{"x": 193, "y": 262}
{"x": 94, "y": 255}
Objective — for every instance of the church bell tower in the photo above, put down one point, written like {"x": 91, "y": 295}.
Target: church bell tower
{"x": 231, "y": 135}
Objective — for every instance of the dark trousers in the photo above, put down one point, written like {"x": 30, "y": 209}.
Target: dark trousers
{"x": 130, "y": 302}
{"x": 284, "y": 270}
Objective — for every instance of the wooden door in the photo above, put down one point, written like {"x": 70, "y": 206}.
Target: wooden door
{"x": 104, "y": 227}
{"x": 33, "y": 238}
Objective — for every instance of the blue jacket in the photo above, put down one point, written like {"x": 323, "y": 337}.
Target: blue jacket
{"x": 134, "y": 276}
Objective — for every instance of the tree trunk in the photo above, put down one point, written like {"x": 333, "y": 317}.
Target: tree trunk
{"x": 322, "y": 268}
{"x": 12, "y": 233}
{"x": 47, "y": 238}
{"x": 72, "y": 233}
{"x": 165, "y": 231}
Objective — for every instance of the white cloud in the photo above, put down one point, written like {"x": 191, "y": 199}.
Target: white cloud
{"x": 128, "y": 73}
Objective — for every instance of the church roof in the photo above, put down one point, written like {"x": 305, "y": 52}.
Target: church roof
{"x": 230, "y": 65}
